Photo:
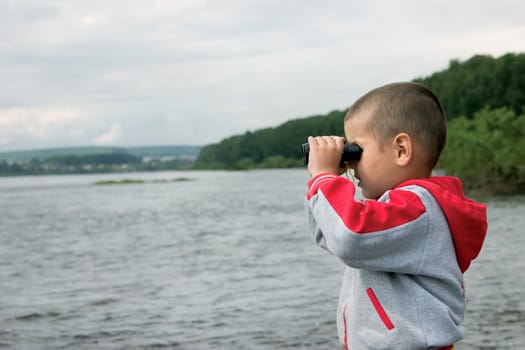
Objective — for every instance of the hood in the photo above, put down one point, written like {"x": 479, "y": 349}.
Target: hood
{"x": 466, "y": 218}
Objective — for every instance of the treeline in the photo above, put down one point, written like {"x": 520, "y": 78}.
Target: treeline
{"x": 271, "y": 147}
{"x": 102, "y": 159}
{"x": 484, "y": 98}
{"x": 467, "y": 87}
{"x": 151, "y": 152}
{"x": 91, "y": 163}
{"x": 487, "y": 151}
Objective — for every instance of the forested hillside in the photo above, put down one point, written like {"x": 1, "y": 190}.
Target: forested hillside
{"x": 92, "y": 159}
{"x": 467, "y": 87}
{"x": 144, "y": 151}
{"x": 484, "y": 98}
{"x": 271, "y": 147}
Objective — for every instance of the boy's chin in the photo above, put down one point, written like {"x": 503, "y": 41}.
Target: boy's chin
{"x": 369, "y": 195}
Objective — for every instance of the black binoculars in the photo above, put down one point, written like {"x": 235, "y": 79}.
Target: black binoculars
{"x": 351, "y": 153}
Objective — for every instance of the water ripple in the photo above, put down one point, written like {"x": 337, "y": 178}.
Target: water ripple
{"x": 221, "y": 262}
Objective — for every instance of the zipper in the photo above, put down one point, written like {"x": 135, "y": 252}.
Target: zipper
{"x": 379, "y": 309}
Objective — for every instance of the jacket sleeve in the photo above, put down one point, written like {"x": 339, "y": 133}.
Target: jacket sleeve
{"x": 389, "y": 234}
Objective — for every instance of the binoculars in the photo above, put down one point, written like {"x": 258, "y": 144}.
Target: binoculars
{"x": 351, "y": 153}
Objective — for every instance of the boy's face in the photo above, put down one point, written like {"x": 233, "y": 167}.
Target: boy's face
{"x": 376, "y": 171}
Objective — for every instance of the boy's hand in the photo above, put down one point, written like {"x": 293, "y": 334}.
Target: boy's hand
{"x": 325, "y": 155}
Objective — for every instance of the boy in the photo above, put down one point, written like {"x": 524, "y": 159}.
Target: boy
{"x": 408, "y": 243}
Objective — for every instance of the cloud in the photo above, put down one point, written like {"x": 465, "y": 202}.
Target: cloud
{"x": 110, "y": 136}
{"x": 196, "y": 71}
{"x": 38, "y": 123}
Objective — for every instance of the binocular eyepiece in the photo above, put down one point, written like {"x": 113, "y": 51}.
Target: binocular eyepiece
{"x": 351, "y": 153}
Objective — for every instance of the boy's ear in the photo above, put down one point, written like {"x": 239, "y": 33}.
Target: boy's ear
{"x": 403, "y": 148}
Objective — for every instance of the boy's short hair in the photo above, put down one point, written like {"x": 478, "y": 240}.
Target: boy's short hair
{"x": 405, "y": 107}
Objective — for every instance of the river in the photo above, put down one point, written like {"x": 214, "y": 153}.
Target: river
{"x": 222, "y": 261}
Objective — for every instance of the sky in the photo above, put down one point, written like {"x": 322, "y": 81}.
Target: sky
{"x": 193, "y": 72}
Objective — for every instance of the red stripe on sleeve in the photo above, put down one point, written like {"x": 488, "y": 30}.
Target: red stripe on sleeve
{"x": 370, "y": 215}
{"x": 316, "y": 182}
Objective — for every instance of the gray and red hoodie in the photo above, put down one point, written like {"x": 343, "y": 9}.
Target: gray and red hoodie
{"x": 405, "y": 255}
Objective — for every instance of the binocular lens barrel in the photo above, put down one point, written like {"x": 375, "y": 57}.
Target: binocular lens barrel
{"x": 351, "y": 153}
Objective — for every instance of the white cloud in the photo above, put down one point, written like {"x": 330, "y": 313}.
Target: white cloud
{"x": 221, "y": 67}
{"x": 40, "y": 123}
{"x": 110, "y": 136}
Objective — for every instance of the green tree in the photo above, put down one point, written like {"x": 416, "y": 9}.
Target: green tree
{"x": 466, "y": 87}
{"x": 487, "y": 151}
{"x": 284, "y": 140}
